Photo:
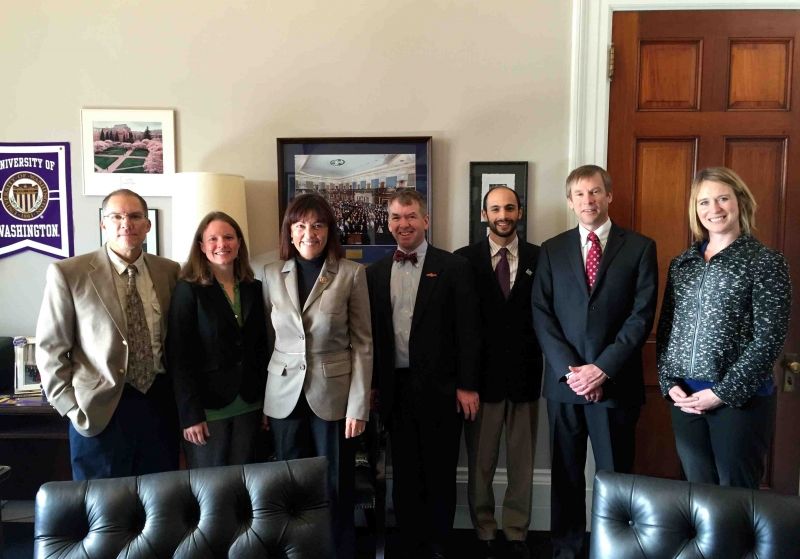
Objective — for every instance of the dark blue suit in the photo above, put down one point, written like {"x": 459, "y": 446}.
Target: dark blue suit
{"x": 607, "y": 327}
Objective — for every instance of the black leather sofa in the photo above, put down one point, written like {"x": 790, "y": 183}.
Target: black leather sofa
{"x": 275, "y": 510}
{"x": 647, "y": 518}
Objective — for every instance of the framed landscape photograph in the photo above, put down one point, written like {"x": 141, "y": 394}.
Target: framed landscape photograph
{"x": 150, "y": 243}
{"x": 127, "y": 148}
{"x": 485, "y": 175}
{"x": 356, "y": 176}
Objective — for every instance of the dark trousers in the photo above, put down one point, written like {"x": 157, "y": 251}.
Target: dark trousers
{"x": 303, "y": 435}
{"x": 425, "y": 433}
{"x": 230, "y": 442}
{"x": 725, "y": 446}
{"x": 141, "y": 437}
{"x": 612, "y": 432}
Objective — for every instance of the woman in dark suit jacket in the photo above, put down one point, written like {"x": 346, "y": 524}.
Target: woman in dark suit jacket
{"x": 320, "y": 371}
{"x": 217, "y": 346}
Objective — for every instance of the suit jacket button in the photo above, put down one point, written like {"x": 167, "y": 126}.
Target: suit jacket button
{"x": 122, "y": 371}
{"x": 302, "y": 367}
{"x": 302, "y": 337}
{"x": 124, "y": 342}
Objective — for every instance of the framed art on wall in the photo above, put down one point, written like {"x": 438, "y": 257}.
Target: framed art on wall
{"x": 485, "y": 175}
{"x": 27, "y": 380}
{"x": 357, "y": 176}
{"x": 150, "y": 243}
{"x": 127, "y": 148}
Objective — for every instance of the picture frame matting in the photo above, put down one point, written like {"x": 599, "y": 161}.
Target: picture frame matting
{"x": 127, "y": 148}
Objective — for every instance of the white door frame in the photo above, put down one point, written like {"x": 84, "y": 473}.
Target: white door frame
{"x": 589, "y": 85}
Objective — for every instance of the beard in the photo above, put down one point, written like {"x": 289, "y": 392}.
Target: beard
{"x": 511, "y": 231}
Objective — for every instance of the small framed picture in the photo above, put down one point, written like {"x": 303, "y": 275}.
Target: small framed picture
{"x": 357, "y": 176}
{"x": 151, "y": 242}
{"x": 127, "y": 148}
{"x": 27, "y": 381}
{"x": 485, "y": 175}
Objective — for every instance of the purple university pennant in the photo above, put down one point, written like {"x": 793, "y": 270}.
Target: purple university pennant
{"x": 35, "y": 199}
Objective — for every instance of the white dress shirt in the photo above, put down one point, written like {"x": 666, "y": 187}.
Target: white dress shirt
{"x": 403, "y": 292}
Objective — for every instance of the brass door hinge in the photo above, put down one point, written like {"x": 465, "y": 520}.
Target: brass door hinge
{"x": 611, "y": 62}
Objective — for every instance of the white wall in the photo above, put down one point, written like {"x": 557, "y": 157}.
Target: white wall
{"x": 488, "y": 80}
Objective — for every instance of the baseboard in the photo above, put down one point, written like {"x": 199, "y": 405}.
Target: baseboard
{"x": 540, "y": 503}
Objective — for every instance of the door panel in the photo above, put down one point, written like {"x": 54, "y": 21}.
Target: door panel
{"x": 761, "y": 163}
{"x": 761, "y": 72}
{"x": 669, "y": 76}
{"x": 691, "y": 90}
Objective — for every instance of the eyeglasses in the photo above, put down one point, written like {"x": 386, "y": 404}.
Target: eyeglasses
{"x": 132, "y": 218}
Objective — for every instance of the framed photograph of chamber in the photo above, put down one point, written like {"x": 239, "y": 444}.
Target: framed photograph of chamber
{"x": 27, "y": 381}
{"x": 127, "y": 148}
{"x": 150, "y": 243}
{"x": 485, "y": 175}
{"x": 357, "y": 176}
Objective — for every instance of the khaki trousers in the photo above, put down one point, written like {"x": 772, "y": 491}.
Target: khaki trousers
{"x": 483, "y": 448}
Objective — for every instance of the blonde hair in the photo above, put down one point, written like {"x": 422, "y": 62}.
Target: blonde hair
{"x": 747, "y": 204}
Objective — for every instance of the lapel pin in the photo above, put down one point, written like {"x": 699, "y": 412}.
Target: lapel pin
{"x": 529, "y": 272}
{"x": 431, "y": 275}
{"x": 323, "y": 280}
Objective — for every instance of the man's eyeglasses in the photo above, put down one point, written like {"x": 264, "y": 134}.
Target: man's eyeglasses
{"x": 132, "y": 218}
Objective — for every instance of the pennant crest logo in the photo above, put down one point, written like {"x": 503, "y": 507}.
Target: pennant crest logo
{"x": 36, "y": 199}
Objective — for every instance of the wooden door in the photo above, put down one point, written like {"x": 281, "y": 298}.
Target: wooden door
{"x": 693, "y": 89}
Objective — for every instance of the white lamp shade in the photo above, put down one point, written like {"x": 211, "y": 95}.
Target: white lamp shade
{"x": 195, "y": 195}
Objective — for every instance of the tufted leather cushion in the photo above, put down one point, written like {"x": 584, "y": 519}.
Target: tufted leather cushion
{"x": 274, "y": 510}
{"x": 642, "y": 517}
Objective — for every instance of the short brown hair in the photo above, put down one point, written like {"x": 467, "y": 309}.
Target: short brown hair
{"x": 124, "y": 192}
{"x": 197, "y": 270}
{"x": 310, "y": 204}
{"x": 586, "y": 172}
{"x": 745, "y": 199}
{"x": 407, "y": 197}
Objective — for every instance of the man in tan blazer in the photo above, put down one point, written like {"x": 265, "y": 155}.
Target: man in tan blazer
{"x": 121, "y": 423}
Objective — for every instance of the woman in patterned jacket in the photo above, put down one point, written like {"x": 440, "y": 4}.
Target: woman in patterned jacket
{"x": 723, "y": 323}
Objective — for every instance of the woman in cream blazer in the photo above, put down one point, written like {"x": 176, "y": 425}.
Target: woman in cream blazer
{"x": 319, "y": 374}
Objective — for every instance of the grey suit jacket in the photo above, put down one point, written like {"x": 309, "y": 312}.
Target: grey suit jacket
{"x": 325, "y": 348}
{"x": 81, "y": 336}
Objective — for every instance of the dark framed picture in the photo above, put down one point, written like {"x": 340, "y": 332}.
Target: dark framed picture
{"x": 485, "y": 175}
{"x": 27, "y": 381}
{"x": 357, "y": 176}
{"x": 151, "y": 242}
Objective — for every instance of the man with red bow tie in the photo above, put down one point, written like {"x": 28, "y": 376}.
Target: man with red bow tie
{"x": 425, "y": 331}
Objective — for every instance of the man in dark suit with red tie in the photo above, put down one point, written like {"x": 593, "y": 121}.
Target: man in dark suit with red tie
{"x": 510, "y": 377}
{"x": 425, "y": 331}
{"x": 594, "y": 298}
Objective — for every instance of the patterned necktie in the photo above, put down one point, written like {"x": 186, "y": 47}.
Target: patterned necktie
{"x": 140, "y": 349}
{"x": 400, "y": 256}
{"x": 503, "y": 272}
{"x": 593, "y": 259}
